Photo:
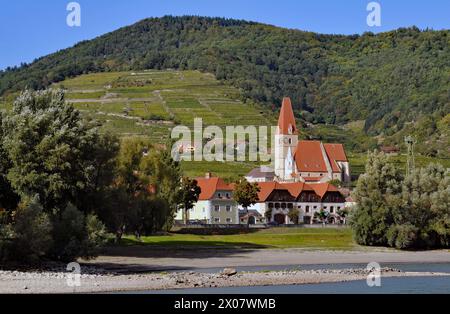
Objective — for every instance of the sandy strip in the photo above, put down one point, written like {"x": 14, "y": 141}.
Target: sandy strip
{"x": 153, "y": 259}
{"x": 19, "y": 282}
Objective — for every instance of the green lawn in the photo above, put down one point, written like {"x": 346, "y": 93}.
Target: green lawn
{"x": 311, "y": 238}
{"x": 230, "y": 171}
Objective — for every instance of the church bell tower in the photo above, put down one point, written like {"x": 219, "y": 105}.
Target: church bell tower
{"x": 286, "y": 140}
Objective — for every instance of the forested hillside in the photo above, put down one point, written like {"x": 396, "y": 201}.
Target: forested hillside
{"x": 397, "y": 82}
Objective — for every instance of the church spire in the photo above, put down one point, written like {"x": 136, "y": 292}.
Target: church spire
{"x": 286, "y": 122}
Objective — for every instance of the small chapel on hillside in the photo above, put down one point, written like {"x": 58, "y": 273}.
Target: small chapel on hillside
{"x": 300, "y": 160}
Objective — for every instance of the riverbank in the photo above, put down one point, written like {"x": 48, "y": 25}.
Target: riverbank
{"x": 150, "y": 259}
{"x": 56, "y": 282}
{"x": 142, "y": 268}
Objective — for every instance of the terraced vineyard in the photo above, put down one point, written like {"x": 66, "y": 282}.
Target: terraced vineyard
{"x": 151, "y": 103}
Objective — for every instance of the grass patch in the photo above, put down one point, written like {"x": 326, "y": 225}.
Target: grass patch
{"x": 230, "y": 171}
{"x": 312, "y": 238}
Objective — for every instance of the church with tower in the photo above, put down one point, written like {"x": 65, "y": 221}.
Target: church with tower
{"x": 298, "y": 180}
{"x": 300, "y": 160}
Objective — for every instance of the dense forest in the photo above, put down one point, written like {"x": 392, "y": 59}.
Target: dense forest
{"x": 398, "y": 82}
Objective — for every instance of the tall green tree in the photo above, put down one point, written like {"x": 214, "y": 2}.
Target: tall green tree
{"x": 189, "y": 195}
{"x": 246, "y": 194}
{"x": 53, "y": 150}
{"x": 380, "y": 183}
{"x": 168, "y": 180}
{"x": 8, "y": 198}
{"x": 406, "y": 214}
{"x": 146, "y": 187}
{"x": 421, "y": 213}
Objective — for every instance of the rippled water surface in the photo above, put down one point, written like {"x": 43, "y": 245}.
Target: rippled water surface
{"x": 403, "y": 285}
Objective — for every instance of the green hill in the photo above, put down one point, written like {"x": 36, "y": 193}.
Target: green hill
{"x": 152, "y": 102}
{"x": 396, "y": 82}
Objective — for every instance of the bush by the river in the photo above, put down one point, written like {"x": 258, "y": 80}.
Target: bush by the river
{"x": 405, "y": 212}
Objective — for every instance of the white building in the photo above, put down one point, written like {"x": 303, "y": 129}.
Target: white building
{"x": 277, "y": 199}
{"x": 215, "y": 204}
{"x": 305, "y": 161}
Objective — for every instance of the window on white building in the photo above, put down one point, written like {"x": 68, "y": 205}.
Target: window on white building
{"x": 217, "y": 208}
{"x": 228, "y": 220}
{"x": 217, "y": 219}
{"x": 228, "y": 207}
{"x": 219, "y": 195}
{"x": 332, "y": 209}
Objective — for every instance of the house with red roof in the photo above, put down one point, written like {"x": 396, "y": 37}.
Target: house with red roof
{"x": 303, "y": 161}
{"x": 277, "y": 199}
{"x": 215, "y": 204}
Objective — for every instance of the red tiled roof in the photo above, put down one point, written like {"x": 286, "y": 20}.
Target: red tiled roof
{"x": 335, "y": 152}
{"x": 309, "y": 158}
{"x": 322, "y": 188}
{"x": 209, "y": 186}
{"x": 266, "y": 188}
{"x": 287, "y": 117}
{"x": 295, "y": 189}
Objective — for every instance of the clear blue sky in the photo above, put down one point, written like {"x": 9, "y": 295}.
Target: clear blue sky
{"x": 30, "y": 29}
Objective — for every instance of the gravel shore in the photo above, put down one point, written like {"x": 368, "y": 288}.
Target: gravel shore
{"x": 141, "y": 269}
{"x": 148, "y": 259}
{"x": 98, "y": 281}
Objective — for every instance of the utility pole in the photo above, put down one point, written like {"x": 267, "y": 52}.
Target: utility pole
{"x": 410, "y": 162}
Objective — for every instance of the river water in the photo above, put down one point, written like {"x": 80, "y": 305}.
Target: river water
{"x": 403, "y": 285}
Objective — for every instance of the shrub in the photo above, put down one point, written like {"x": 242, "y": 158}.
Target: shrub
{"x": 402, "y": 236}
{"x": 31, "y": 232}
{"x": 96, "y": 234}
{"x": 76, "y": 236}
{"x": 6, "y": 240}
